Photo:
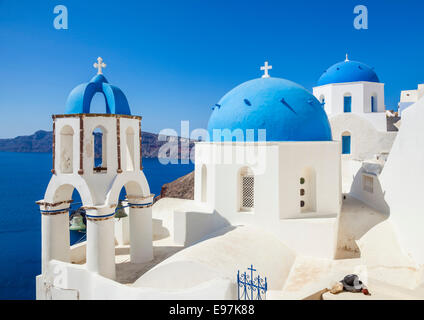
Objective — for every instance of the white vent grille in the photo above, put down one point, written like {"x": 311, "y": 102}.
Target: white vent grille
{"x": 248, "y": 194}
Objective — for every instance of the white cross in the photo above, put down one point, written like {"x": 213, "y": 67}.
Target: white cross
{"x": 265, "y": 68}
{"x": 99, "y": 65}
{"x": 347, "y": 58}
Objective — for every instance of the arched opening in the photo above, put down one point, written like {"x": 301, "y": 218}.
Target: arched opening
{"x": 347, "y": 103}
{"x": 247, "y": 189}
{"x": 66, "y": 149}
{"x": 204, "y": 184}
{"x": 70, "y": 235}
{"x": 374, "y": 105}
{"x": 100, "y": 150}
{"x": 98, "y": 103}
{"x": 307, "y": 191}
{"x": 346, "y": 142}
{"x": 129, "y": 133}
{"x": 133, "y": 223}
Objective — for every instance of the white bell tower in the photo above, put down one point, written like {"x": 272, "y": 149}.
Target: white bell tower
{"x": 98, "y": 184}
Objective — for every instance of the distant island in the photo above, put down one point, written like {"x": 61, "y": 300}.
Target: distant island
{"x": 41, "y": 141}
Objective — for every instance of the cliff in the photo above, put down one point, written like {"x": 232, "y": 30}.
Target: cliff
{"x": 182, "y": 188}
{"x": 41, "y": 141}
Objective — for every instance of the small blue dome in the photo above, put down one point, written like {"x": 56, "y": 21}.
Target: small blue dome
{"x": 286, "y": 110}
{"x": 348, "y": 71}
{"x": 79, "y": 100}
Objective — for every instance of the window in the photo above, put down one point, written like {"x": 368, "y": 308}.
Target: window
{"x": 130, "y": 148}
{"x": 247, "y": 184}
{"x": 347, "y": 103}
{"x": 308, "y": 190}
{"x": 66, "y": 149}
{"x": 368, "y": 183}
{"x": 374, "y": 103}
{"x": 346, "y": 141}
{"x": 100, "y": 150}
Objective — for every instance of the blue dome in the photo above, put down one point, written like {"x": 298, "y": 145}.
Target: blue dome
{"x": 79, "y": 100}
{"x": 286, "y": 110}
{"x": 348, "y": 71}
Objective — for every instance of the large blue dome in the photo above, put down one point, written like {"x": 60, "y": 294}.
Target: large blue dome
{"x": 79, "y": 100}
{"x": 286, "y": 110}
{"x": 348, "y": 71}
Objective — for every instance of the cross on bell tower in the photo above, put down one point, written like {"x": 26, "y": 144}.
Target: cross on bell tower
{"x": 265, "y": 68}
{"x": 99, "y": 65}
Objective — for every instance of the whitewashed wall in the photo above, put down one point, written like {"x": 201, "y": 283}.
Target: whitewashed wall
{"x": 361, "y": 93}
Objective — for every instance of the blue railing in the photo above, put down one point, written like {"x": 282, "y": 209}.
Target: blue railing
{"x": 250, "y": 287}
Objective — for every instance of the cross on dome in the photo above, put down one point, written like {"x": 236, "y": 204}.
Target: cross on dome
{"x": 265, "y": 68}
{"x": 99, "y": 65}
{"x": 347, "y": 58}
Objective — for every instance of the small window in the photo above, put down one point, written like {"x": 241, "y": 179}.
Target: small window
{"x": 246, "y": 189}
{"x": 346, "y": 142}
{"x": 302, "y": 204}
{"x": 248, "y": 199}
{"x": 302, "y": 180}
{"x": 348, "y": 104}
{"x": 368, "y": 183}
{"x": 302, "y": 192}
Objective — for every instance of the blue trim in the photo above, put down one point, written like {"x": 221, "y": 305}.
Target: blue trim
{"x": 140, "y": 205}
{"x": 53, "y": 211}
{"x": 104, "y": 216}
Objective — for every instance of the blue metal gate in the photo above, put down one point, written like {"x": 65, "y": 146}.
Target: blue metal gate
{"x": 250, "y": 287}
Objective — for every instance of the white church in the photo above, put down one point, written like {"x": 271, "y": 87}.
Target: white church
{"x": 306, "y": 187}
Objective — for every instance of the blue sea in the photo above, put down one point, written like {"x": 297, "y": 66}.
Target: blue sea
{"x": 24, "y": 178}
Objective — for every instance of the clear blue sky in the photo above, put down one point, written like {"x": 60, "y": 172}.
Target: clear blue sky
{"x": 175, "y": 59}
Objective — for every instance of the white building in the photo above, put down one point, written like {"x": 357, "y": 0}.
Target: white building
{"x": 288, "y": 181}
{"x": 353, "y": 98}
{"x": 268, "y": 192}
{"x": 409, "y": 97}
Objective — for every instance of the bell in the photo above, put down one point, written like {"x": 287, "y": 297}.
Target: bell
{"x": 120, "y": 212}
{"x": 77, "y": 223}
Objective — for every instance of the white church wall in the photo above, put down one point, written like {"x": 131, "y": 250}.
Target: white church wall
{"x": 277, "y": 174}
{"x": 366, "y": 140}
{"x": 294, "y": 159}
{"x": 361, "y": 93}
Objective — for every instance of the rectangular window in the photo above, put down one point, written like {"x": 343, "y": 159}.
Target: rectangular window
{"x": 373, "y": 104}
{"x": 368, "y": 183}
{"x": 346, "y": 144}
{"x": 248, "y": 187}
{"x": 348, "y": 104}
